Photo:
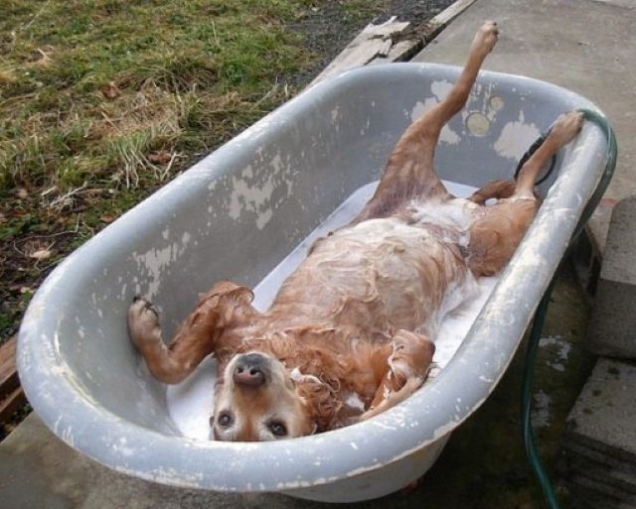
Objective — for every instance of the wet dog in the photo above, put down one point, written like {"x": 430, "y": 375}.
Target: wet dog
{"x": 350, "y": 333}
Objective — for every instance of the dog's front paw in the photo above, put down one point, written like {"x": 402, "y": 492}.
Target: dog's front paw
{"x": 411, "y": 357}
{"x": 143, "y": 323}
{"x": 486, "y": 38}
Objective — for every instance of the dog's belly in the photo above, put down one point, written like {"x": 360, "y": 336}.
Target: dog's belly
{"x": 386, "y": 273}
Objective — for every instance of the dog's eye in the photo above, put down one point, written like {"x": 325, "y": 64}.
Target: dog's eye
{"x": 278, "y": 428}
{"x": 224, "y": 419}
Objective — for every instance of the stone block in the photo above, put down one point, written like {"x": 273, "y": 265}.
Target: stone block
{"x": 604, "y": 415}
{"x": 599, "y": 444}
{"x": 612, "y": 330}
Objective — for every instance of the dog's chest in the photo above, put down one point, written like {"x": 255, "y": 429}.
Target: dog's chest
{"x": 420, "y": 234}
{"x": 450, "y": 220}
{"x": 393, "y": 270}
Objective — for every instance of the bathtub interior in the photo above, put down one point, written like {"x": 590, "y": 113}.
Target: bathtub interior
{"x": 189, "y": 402}
{"x": 237, "y": 214}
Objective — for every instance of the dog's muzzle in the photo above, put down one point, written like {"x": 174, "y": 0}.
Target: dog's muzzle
{"x": 251, "y": 370}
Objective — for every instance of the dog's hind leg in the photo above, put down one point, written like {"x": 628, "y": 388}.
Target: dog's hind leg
{"x": 410, "y": 172}
{"x": 197, "y": 337}
{"x": 408, "y": 367}
{"x": 497, "y": 233}
{"x": 564, "y": 130}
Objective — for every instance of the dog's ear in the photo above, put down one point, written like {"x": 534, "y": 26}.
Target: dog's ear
{"x": 226, "y": 290}
{"x": 228, "y": 301}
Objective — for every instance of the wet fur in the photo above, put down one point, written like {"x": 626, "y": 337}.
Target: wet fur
{"x": 350, "y": 331}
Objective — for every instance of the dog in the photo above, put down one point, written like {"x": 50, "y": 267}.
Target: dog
{"x": 350, "y": 333}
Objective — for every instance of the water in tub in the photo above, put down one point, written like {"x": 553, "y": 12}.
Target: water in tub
{"x": 190, "y": 403}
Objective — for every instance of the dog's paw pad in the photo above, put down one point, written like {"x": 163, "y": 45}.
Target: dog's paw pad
{"x": 143, "y": 321}
{"x": 486, "y": 37}
{"x": 566, "y": 127}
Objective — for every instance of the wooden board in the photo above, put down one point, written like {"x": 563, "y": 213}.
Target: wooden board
{"x": 391, "y": 41}
{"x": 372, "y": 41}
{"x": 436, "y": 24}
{"x": 11, "y": 394}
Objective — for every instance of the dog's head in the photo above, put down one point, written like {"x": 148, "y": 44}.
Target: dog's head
{"x": 256, "y": 400}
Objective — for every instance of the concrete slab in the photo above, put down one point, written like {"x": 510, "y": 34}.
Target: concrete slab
{"x": 605, "y": 412}
{"x": 583, "y": 45}
{"x": 37, "y": 470}
{"x": 589, "y": 456}
{"x": 599, "y": 447}
{"x": 613, "y": 319}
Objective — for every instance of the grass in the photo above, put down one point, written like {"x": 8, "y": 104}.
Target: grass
{"x": 94, "y": 95}
{"x": 103, "y": 101}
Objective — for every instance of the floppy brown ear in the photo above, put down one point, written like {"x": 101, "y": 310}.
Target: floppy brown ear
{"x": 227, "y": 301}
{"x": 498, "y": 189}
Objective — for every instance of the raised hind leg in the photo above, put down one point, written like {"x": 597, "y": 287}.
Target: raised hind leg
{"x": 410, "y": 172}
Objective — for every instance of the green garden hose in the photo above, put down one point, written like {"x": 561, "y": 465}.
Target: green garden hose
{"x": 540, "y": 314}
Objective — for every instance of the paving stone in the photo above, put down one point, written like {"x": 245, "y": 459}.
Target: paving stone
{"x": 589, "y": 456}
{"x": 613, "y": 324}
{"x": 599, "y": 444}
{"x": 603, "y": 478}
{"x": 605, "y": 411}
{"x": 585, "y": 498}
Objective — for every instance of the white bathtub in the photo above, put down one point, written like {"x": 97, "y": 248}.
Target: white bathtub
{"x": 240, "y": 211}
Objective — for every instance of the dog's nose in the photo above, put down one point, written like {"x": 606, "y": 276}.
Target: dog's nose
{"x": 250, "y": 370}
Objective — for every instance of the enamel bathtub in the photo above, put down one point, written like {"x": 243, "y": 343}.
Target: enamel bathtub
{"x": 241, "y": 211}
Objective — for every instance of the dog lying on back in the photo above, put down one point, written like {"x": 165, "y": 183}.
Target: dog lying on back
{"x": 350, "y": 333}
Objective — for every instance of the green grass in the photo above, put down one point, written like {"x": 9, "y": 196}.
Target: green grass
{"x": 93, "y": 94}
{"x": 103, "y": 101}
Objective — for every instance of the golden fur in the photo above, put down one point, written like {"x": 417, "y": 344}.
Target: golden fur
{"x": 349, "y": 333}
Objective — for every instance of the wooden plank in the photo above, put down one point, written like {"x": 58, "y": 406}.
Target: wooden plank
{"x": 373, "y": 40}
{"x": 410, "y": 42}
{"x": 399, "y": 52}
{"x": 437, "y": 23}
{"x": 11, "y": 395}
{"x": 10, "y": 403}
{"x": 391, "y": 41}
{"x": 8, "y": 370}
{"x": 452, "y": 11}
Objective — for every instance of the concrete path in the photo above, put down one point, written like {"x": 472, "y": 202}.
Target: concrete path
{"x": 588, "y": 46}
